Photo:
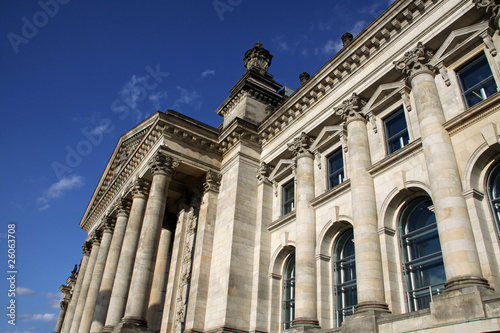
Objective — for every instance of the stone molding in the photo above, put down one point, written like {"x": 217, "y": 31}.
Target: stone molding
{"x": 237, "y": 131}
{"x": 416, "y": 62}
{"x": 492, "y": 10}
{"x": 301, "y": 144}
{"x": 351, "y": 109}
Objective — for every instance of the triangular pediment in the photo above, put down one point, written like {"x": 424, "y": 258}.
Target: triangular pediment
{"x": 327, "y": 135}
{"x": 386, "y": 94}
{"x": 282, "y": 167}
{"x": 459, "y": 41}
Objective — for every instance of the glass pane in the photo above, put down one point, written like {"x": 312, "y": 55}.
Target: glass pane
{"x": 289, "y": 293}
{"x": 346, "y": 296}
{"x": 420, "y": 216}
{"x": 475, "y": 72}
{"x": 395, "y": 124}
{"x": 335, "y": 169}
{"x": 396, "y": 131}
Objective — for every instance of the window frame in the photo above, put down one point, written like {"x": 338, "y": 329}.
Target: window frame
{"x": 400, "y": 135}
{"x": 492, "y": 174}
{"x": 284, "y": 203}
{"x": 337, "y": 172}
{"x": 289, "y": 282}
{"x": 341, "y": 285}
{"x": 413, "y": 274}
{"x": 476, "y": 58}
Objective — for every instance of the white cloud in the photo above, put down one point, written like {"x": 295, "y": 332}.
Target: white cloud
{"x": 208, "y": 72}
{"x": 357, "y": 27}
{"x": 46, "y": 317}
{"x": 157, "y": 98}
{"x": 104, "y": 127}
{"x": 190, "y": 98}
{"x": 329, "y": 48}
{"x": 25, "y": 291}
{"x": 57, "y": 190}
{"x": 133, "y": 91}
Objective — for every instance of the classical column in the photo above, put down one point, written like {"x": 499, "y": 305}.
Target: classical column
{"x": 62, "y": 313}
{"x": 82, "y": 299}
{"x": 458, "y": 247}
{"x": 108, "y": 276}
{"x": 369, "y": 275}
{"x": 97, "y": 273}
{"x": 137, "y": 305}
{"x": 305, "y": 265}
{"x": 68, "y": 320}
{"x": 125, "y": 266}
{"x": 160, "y": 272}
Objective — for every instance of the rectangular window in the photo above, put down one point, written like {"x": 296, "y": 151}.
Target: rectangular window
{"x": 476, "y": 81}
{"x": 335, "y": 169}
{"x": 288, "y": 197}
{"x": 396, "y": 131}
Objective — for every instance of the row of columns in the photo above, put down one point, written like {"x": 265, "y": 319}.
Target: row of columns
{"x": 120, "y": 261}
{"x": 460, "y": 255}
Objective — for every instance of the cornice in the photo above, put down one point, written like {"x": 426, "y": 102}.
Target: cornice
{"x": 238, "y": 130}
{"x": 370, "y": 42}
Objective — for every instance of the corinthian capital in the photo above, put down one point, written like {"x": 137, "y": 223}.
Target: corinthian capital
{"x": 301, "y": 144}
{"x": 109, "y": 224}
{"x": 212, "y": 181}
{"x": 122, "y": 207}
{"x": 351, "y": 108}
{"x": 96, "y": 237}
{"x": 492, "y": 9}
{"x": 162, "y": 163}
{"x": 86, "y": 248}
{"x": 139, "y": 188}
{"x": 415, "y": 62}
{"x": 263, "y": 172}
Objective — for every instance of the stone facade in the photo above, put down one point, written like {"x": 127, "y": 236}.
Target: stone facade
{"x": 366, "y": 201}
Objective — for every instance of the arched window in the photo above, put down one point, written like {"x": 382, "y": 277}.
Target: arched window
{"x": 289, "y": 293}
{"x": 494, "y": 193}
{"x": 422, "y": 259}
{"x": 346, "y": 296}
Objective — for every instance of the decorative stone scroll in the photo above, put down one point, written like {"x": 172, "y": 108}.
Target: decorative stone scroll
{"x": 492, "y": 9}
{"x": 301, "y": 144}
{"x": 263, "y": 172}
{"x": 351, "y": 108}
{"x": 162, "y": 163}
{"x": 415, "y": 62}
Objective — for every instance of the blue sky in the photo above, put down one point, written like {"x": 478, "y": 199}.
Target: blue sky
{"x": 76, "y": 75}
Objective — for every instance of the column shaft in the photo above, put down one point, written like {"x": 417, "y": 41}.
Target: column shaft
{"x": 62, "y": 314}
{"x": 93, "y": 293}
{"x": 85, "y": 285}
{"x": 460, "y": 256}
{"x": 108, "y": 277}
{"x": 125, "y": 266}
{"x": 68, "y": 320}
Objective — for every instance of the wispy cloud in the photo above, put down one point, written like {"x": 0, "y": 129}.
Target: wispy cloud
{"x": 45, "y": 317}
{"x": 57, "y": 190}
{"x": 329, "y": 48}
{"x": 189, "y": 98}
{"x": 208, "y": 72}
{"x": 157, "y": 98}
{"x": 280, "y": 43}
{"x": 133, "y": 91}
{"x": 25, "y": 291}
{"x": 104, "y": 127}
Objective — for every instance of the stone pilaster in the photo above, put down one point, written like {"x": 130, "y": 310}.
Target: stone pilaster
{"x": 369, "y": 275}
{"x": 96, "y": 237}
{"x": 259, "y": 318}
{"x": 157, "y": 296}
{"x": 93, "y": 293}
{"x": 109, "y": 273}
{"x": 458, "y": 247}
{"x": 68, "y": 320}
{"x": 162, "y": 167}
{"x": 200, "y": 275}
{"x": 119, "y": 294}
{"x": 305, "y": 279}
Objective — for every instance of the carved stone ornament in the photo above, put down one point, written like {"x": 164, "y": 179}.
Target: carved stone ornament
{"x": 140, "y": 188}
{"x": 304, "y": 77}
{"x": 351, "y": 108}
{"x": 123, "y": 207}
{"x": 347, "y": 39}
{"x": 212, "y": 181}
{"x": 86, "y": 248}
{"x": 492, "y": 9}
{"x": 415, "y": 62}
{"x": 301, "y": 144}
{"x": 162, "y": 163}
{"x": 96, "y": 237}
{"x": 109, "y": 224}
{"x": 258, "y": 58}
{"x": 64, "y": 305}
{"x": 264, "y": 171}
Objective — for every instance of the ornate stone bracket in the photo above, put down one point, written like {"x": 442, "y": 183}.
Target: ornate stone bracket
{"x": 317, "y": 157}
{"x": 415, "y": 62}
{"x": 351, "y": 109}
{"x": 373, "y": 121}
{"x": 343, "y": 141}
{"x": 263, "y": 172}
{"x": 489, "y": 42}
{"x": 444, "y": 74}
{"x": 405, "y": 96}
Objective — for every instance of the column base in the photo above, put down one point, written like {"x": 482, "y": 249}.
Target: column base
{"x": 371, "y": 306}
{"x": 465, "y": 282}
{"x": 132, "y": 325}
{"x": 107, "y": 329}
{"x": 304, "y": 324}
